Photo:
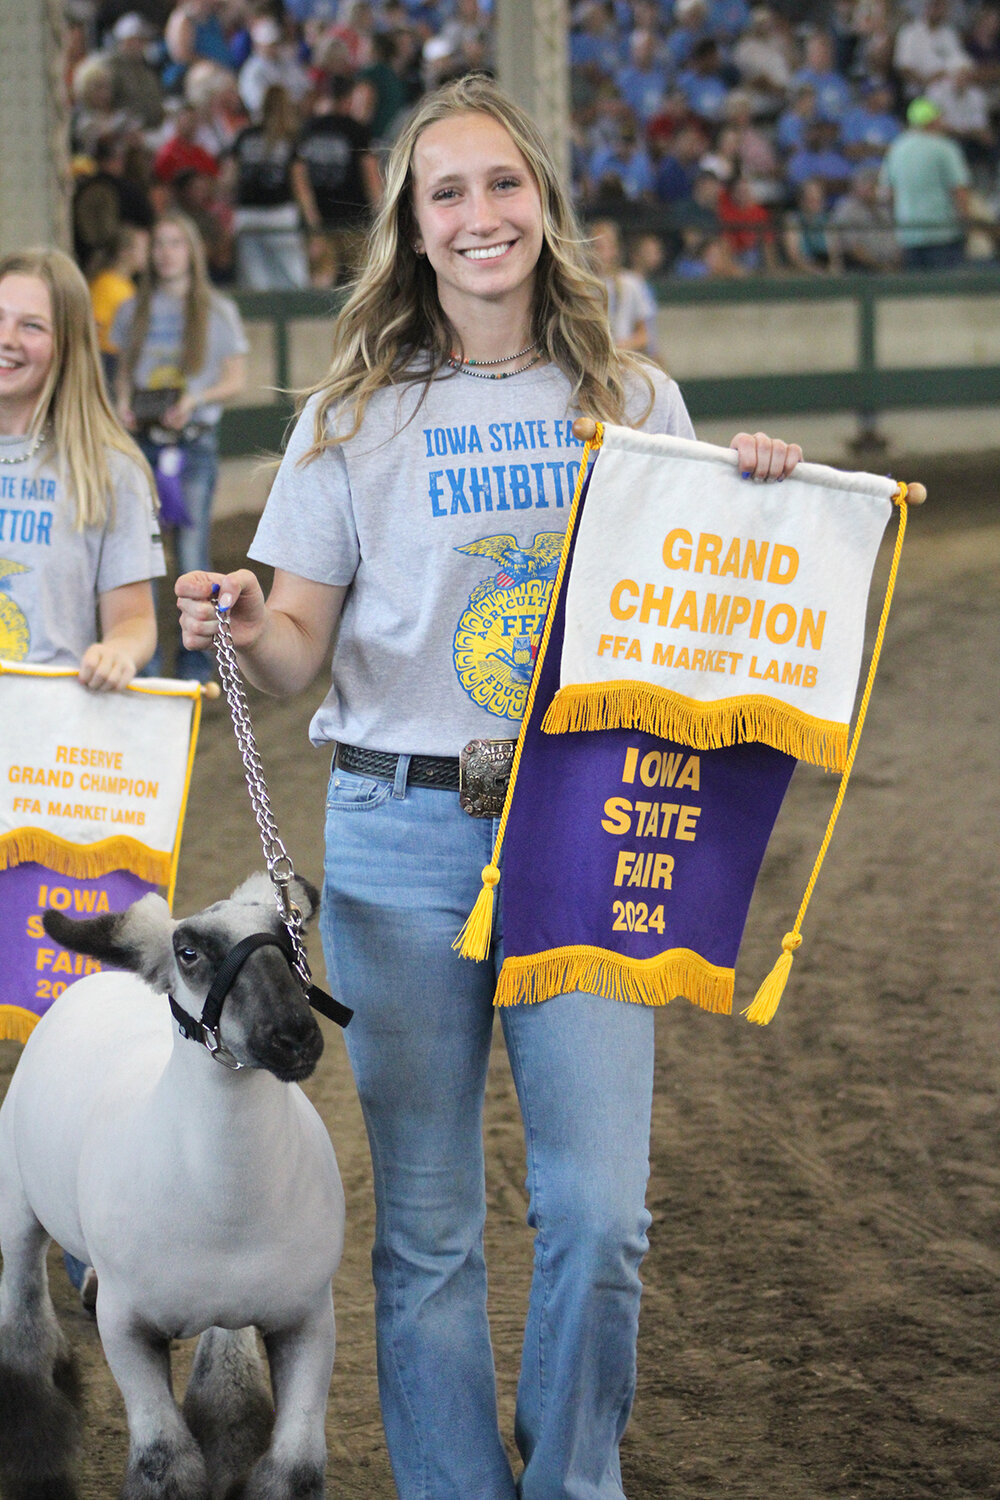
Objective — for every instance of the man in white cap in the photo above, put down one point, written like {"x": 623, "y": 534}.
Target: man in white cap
{"x": 135, "y": 86}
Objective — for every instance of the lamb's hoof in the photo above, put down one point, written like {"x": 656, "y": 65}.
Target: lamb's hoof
{"x": 268, "y": 1481}
{"x": 88, "y": 1291}
{"x": 165, "y": 1470}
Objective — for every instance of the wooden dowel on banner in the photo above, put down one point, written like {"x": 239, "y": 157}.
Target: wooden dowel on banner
{"x": 210, "y": 690}
{"x": 585, "y": 428}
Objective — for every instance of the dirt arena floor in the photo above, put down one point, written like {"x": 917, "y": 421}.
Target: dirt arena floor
{"x": 823, "y": 1284}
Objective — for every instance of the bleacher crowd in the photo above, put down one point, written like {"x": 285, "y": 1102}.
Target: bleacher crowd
{"x": 720, "y": 138}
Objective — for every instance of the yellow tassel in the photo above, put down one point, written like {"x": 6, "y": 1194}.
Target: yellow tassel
{"x": 768, "y": 997}
{"x": 16, "y": 1024}
{"x": 474, "y": 939}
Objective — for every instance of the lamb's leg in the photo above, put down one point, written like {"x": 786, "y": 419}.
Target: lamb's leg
{"x": 301, "y": 1361}
{"x": 228, "y": 1405}
{"x": 38, "y": 1392}
{"x": 164, "y": 1461}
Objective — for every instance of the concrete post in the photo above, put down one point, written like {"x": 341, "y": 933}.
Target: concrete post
{"x": 34, "y": 148}
{"x": 532, "y": 51}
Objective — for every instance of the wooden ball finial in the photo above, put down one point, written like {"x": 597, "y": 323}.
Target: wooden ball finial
{"x": 585, "y": 428}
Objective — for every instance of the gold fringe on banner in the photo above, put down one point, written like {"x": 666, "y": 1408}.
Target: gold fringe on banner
{"x": 84, "y": 861}
{"x": 643, "y": 981}
{"x": 16, "y": 1024}
{"x": 703, "y": 726}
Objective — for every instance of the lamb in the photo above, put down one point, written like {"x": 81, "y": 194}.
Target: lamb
{"x": 200, "y": 1183}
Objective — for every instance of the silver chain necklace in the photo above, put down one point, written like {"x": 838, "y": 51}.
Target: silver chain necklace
{"x": 505, "y": 359}
{"x": 463, "y": 369}
{"x": 21, "y": 458}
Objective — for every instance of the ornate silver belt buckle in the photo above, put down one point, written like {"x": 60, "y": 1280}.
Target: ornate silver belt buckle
{"x": 483, "y": 774}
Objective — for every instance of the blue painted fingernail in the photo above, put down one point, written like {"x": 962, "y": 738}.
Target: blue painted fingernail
{"x": 215, "y": 590}
{"x": 746, "y": 474}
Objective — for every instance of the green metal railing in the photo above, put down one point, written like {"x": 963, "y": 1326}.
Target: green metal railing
{"x": 866, "y": 388}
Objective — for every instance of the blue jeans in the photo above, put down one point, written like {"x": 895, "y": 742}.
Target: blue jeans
{"x": 76, "y": 1270}
{"x": 272, "y": 260}
{"x": 946, "y": 257}
{"x": 402, "y": 872}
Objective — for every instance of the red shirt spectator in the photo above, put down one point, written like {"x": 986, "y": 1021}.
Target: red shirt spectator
{"x": 181, "y": 153}
{"x": 747, "y": 226}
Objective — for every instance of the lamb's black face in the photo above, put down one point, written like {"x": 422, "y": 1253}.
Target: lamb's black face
{"x": 266, "y": 1021}
{"x": 282, "y": 1034}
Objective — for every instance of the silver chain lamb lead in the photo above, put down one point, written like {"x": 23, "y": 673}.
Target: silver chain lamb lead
{"x": 279, "y": 866}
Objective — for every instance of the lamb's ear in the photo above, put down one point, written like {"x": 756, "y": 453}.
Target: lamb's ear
{"x": 306, "y": 898}
{"x": 138, "y": 939}
{"x": 257, "y": 890}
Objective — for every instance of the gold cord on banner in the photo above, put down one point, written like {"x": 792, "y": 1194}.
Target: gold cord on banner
{"x": 768, "y": 997}
{"x": 474, "y": 939}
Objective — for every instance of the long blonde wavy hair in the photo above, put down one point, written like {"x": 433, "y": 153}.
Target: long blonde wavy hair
{"x": 393, "y": 314}
{"x": 73, "y": 400}
{"x": 197, "y": 302}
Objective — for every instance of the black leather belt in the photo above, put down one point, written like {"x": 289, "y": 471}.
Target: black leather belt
{"x": 439, "y": 771}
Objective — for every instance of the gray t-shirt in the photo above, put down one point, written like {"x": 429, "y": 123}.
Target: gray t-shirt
{"x": 158, "y": 366}
{"x": 51, "y": 575}
{"x": 447, "y": 527}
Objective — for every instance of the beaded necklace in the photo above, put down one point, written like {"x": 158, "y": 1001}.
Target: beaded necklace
{"x": 21, "y": 458}
{"x": 505, "y": 359}
{"x": 462, "y": 366}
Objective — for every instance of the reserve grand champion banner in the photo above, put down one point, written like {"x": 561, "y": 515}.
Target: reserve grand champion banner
{"x": 710, "y": 610}
{"x": 93, "y": 788}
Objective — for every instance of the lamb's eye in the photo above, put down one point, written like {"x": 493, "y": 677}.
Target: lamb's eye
{"x": 188, "y": 956}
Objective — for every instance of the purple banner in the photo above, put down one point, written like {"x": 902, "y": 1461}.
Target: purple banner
{"x": 35, "y": 970}
{"x": 622, "y": 842}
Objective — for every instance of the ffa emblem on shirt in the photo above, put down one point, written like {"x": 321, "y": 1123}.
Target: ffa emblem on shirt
{"x": 499, "y": 631}
{"x": 15, "y": 637}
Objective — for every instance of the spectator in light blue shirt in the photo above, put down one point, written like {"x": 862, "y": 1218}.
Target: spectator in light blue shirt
{"x": 705, "y": 84}
{"x": 929, "y": 179}
{"x": 627, "y": 164}
{"x": 728, "y": 18}
{"x": 690, "y": 27}
{"x": 643, "y": 82}
{"x": 821, "y": 158}
{"x": 869, "y": 128}
{"x": 790, "y": 131}
{"x": 833, "y": 94}
{"x": 597, "y": 45}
